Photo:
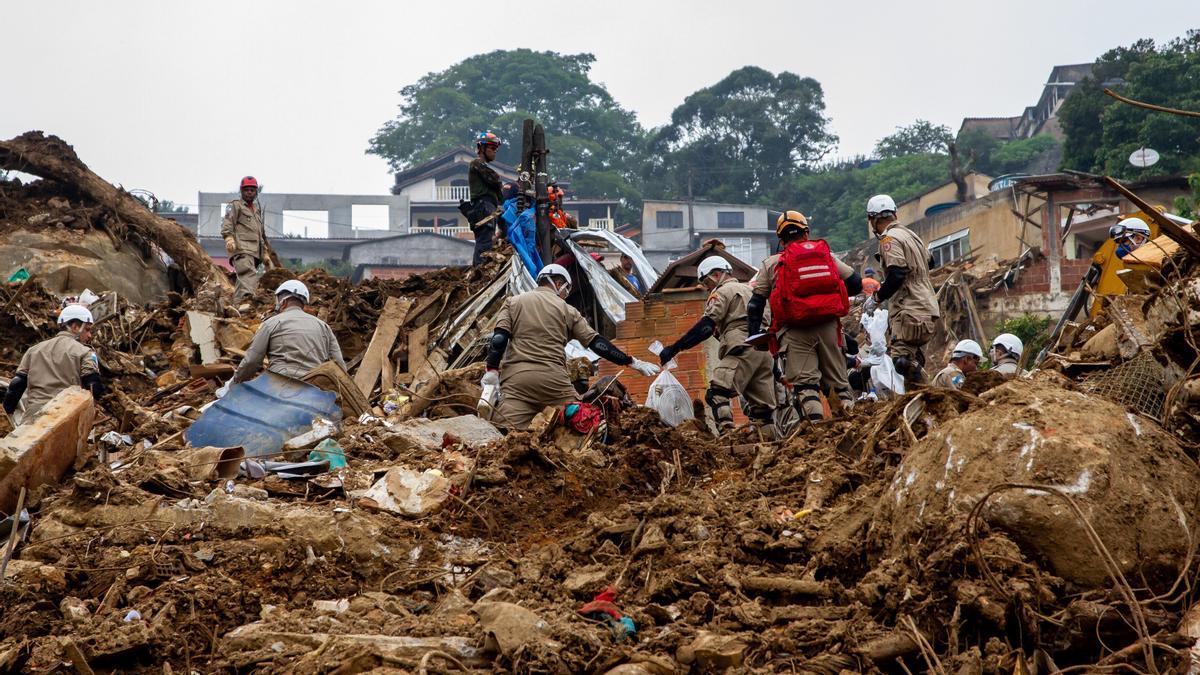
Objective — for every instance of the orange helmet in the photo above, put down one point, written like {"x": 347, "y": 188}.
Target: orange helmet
{"x": 790, "y": 219}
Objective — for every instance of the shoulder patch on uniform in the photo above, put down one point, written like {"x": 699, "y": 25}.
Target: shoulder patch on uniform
{"x": 958, "y": 380}
{"x": 885, "y": 244}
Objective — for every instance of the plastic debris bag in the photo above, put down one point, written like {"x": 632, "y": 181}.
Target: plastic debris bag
{"x": 876, "y": 325}
{"x": 667, "y": 394}
{"x": 885, "y": 381}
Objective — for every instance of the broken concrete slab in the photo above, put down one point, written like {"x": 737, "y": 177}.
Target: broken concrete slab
{"x": 200, "y": 330}
{"x": 713, "y": 653}
{"x": 586, "y": 580}
{"x": 43, "y": 449}
{"x": 321, "y": 429}
{"x": 427, "y": 434}
{"x": 408, "y": 492}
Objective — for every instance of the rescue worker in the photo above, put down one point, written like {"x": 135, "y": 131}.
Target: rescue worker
{"x": 293, "y": 340}
{"x": 52, "y": 365}
{"x": 906, "y": 287}
{"x": 964, "y": 360}
{"x": 629, "y": 274}
{"x": 805, "y": 314}
{"x": 869, "y": 283}
{"x": 1006, "y": 354}
{"x": 526, "y": 356}
{"x": 245, "y": 235}
{"x": 1129, "y": 234}
{"x": 742, "y": 370}
{"x": 486, "y": 197}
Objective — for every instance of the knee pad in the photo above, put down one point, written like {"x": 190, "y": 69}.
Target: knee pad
{"x": 715, "y": 396}
{"x": 760, "y": 413}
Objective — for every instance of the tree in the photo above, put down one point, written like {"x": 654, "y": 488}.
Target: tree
{"x": 586, "y": 131}
{"x": 168, "y": 206}
{"x": 740, "y": 137}
{"x": 1102, "y": 132}
{"x": 919, "y": 138}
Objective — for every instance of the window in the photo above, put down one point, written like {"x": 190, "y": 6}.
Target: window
{"x": 735, "y": 220}
{"x": 390, "y": 260}
{"x": 949, "y": 248}
{"x": 669, "y": 220}
{"x": 740, "y": 248}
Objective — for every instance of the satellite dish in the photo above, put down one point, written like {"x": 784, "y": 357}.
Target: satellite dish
{"x": 1143, "y": 157}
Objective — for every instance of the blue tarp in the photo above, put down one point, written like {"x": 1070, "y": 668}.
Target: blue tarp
{"x": 522, "y": 234}
{"x": 261, "y": 414}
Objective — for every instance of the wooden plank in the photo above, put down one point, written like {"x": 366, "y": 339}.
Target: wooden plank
{"x": 1186, "y": 239}
{"x": 394, "y": 311}
{"x": 418, "y": 344}
{"x": 386, "y": 373}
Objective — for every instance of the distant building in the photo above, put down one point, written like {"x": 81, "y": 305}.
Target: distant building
{"x": 1040, "y": 118}
{"x": 748, "y": 231}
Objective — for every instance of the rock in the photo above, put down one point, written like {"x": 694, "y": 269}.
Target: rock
{"x": 499, "y": 595}
{"x": 652, "y": 541}
{"x": 586, "y": 579}
{"x": 67, "y": 261}
{"x": 427, "y": 434}
{"x": 711, "y": 652}
{"x": 453, "y": 604}
{"x": 249, "y": 492}
{"x": 1132, "y": 481}
{"x": 491, "y": 578}
{"x": 644, "y": 664}
{"x": 509, "y": 627}
{"x": 40, "y": 451}
{"x": 74, "y": 610}
{"x": 406, "y": 492}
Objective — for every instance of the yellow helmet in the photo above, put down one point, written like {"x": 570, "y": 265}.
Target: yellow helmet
{"x": 792, "y": 218}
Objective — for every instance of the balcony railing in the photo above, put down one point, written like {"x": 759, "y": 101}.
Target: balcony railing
{"x": 600, "y": 224}
{"x": 448, "y": 231}
{"x": 451, "y": 193}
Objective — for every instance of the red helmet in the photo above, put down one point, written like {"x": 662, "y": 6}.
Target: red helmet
{"x": 250, "y": 181}
{"x": 487, "y": 138}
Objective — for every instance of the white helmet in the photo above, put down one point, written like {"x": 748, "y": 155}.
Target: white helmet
{"x": 553, "y": 270}
{"x": 965, "y": 348}
{"x": 75, "y": 313}
{"x": 1011, "y": 344}
{"x": 294, "y": 288}
{"x": 879, "y": 204}
{"x": 711, "y": 264}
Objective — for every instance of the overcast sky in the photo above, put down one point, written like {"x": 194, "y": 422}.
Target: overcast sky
{"x": 179, "y": 97}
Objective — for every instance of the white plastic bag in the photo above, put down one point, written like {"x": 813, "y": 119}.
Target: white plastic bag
{"x": 670, "y": 399}
{"x": 884, "y": 379}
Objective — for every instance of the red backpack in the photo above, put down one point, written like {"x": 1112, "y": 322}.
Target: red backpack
{"x": 808, "y": 288}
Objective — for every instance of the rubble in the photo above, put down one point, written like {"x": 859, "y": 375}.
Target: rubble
{"x": 1045, "y": 520}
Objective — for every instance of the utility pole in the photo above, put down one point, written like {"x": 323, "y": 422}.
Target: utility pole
{"x": 691, "y": 242}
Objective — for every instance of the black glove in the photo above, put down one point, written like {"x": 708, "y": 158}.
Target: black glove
{"x": 667, "y": 354}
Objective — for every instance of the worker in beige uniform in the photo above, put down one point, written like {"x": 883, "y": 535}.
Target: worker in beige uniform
{"x": 1006, "y": 354}
{"x": 742, "y": 370}
{"x": 807, "y": 300}
{"x": 911, "y": 299}
{"x": 964, "y": 360}
{"x": 293, "y": 340}
{"x": 52, "y": 365}
{"x": 245, "y": 235}
{"x": 527, "y": 358}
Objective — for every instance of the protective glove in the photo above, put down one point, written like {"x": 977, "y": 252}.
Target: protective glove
{"x": 491, "y": 377}
{"x": 224, "y": 389}
{"x": 647, "y": 369}
{"x": 230, "y": 246}
{"x": 667, "y": 354}
{"x": 870, "y": 304}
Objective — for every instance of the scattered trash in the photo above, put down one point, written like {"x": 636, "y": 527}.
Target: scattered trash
{"x": 407, "y": 492}
{"x": 329, "y": 451}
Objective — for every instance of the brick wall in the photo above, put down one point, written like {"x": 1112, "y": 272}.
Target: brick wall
{"x": 665, "y": 317}
{"x": 1072, "y": 273}
{"x": 1036, "y": 277}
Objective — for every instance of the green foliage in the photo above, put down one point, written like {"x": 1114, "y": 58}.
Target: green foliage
{"x": 338, "y": 268}
{"x": 919, "y": 138}
{"x": 1102, "y": 132}
{"x": 740, "y": 137}
{"x": 1033, "y": 330}
{"x": 835, "y": 199}
{"x": 1189, "y": 207}
{"x": 168, "y": 206}
{"x": 996, "y": 158}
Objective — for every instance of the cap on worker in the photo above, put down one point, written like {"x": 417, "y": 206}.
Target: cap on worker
{"x": 880, "y": 204}
{"x": 553, "y": 270}
{"x": 1011, "y": 343}
{"x": 294, "y": 288}
{"x": 711, "y": 264}
{"x": 966, "y": 348}
{"x": 790, "y": 219}
{"x": 75, "y": 313}
{"x": 250, "y": 181}
{"x": 487, "y": 138}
